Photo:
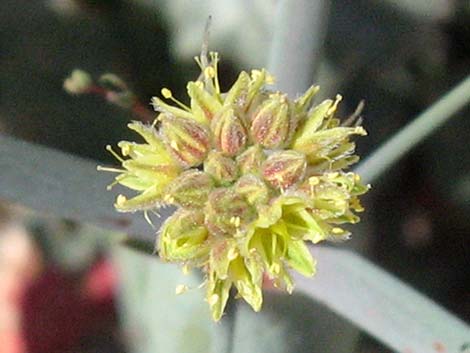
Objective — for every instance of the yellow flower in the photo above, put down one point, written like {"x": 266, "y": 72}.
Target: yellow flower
{"x": 255, "y": 175}
{"x": 148, "y": 169}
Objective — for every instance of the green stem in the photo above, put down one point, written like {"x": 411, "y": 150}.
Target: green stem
{"x": 415, "y": 132}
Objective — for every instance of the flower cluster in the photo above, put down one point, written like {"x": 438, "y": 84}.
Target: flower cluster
{"x": 254, "y": 175}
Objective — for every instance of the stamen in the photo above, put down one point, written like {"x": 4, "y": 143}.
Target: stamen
{"x": 276, "y": 268}
{"x": 214, "y": 298}
{"x": 110, "y": 150}
{"x": 215, "y": 60}
{"x": 174, "y": 145}
{"x": 169, "y": 199}
{"x": 360, "y": 130}
{"x": 270, "y": 79}
{"x": 158, "y": 215}
{"x": 110, "y": 186}
{"x": 186, "y": 269}
{"x": 274, "y": 244}
{"x": 332, "y": 175}
{"x": 108, "y": 169}
{"x": 237, "y": 222}
{"x": 355, "y": 117}
{"x": 232, "y": 254}
{"x": 121, "y": 200}
{"x": 199, "y": 63}
{"x": 335, "y": 105}
{"x": 181, "y": 288}
{"x": 166, "y": 93}
{"x": 337, "y": 230}
{"x": 255, "y": 74}
{"x": 209, "y": 72}
{"x": 312, "y": 181}
{"x": 147, "y": 218}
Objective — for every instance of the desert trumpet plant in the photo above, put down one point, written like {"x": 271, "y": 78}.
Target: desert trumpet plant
{"x": 254, "y": 175}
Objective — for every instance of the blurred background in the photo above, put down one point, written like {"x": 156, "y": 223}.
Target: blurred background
{"x": 58, "y": 285}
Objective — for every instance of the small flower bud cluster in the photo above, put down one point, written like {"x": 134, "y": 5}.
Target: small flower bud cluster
{"x": 78, "y": 82}
{"x": 254, "y": 174}
{"x": 109, "y": 86}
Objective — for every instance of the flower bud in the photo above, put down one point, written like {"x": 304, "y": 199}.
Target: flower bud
{"x": 323, "y": 142}
{"x": 283, "y": 169}
{"x": 237, "y": 95}
{"x": 116, "y": 91}
{"x": 183, "y": 237}
{"x": 190, "y": 189}
{"x": 270, "y": 125}
{"x": 223, "y": 169}
{"x": 250, "y": 161}
{"x": 145, "y": 154}
{"x": 150, "y": 135}
{"x": 229, "y": 133}
{"x": 78, "y": 82}
{"x": 227, "y": 212}
{"x": 203, "y": 105}
{"x": 187, "y": 139}
{"x": 316, "y": 139}
{"x": 253, "y": 189}
{"x": 259, "y": 78}
{"x": 164, "y": 108}
{"x": 313, "y": 121}
{"x": 113, "y": 83}
{"x": 303, "y": 102}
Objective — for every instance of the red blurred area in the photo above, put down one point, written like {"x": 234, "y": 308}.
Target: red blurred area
{"x": 44, "y": 309}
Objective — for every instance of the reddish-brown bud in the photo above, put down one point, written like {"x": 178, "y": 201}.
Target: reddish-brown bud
{"x": 186, "y": 138}
{"x": 285, "y": 168}
{"x": 229, "y": 133}
{"x": 251, "y": 160}
{"x": 191, "y": 189}
{"x": 183, "y": 237}
{"x": 253, "y": 189}
{"x": 223, "y": 169}
{"x": 227, "y": 212}
{"x": 270, "y": 125}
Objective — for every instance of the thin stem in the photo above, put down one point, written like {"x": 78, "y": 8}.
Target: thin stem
{"x": 140, "y": 111}
{"x": 415, "y": 132}
{"x": 143, "y": 113}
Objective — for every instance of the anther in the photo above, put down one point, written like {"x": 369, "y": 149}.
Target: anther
{"x": 120, "y": 200}
{"x": 214, "y": 298}
{"x": 181, "y": 288}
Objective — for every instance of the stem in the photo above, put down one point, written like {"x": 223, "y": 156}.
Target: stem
{"x": 297, "y": 41}
{"x": 143, "y": 113}
{"x": 139, "y": 110}
{"x": 415, "y": 132}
